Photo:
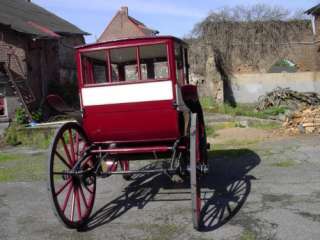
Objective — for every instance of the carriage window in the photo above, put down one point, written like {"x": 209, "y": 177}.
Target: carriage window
{"x": 154, "y": 62}
{"x": 179, "y": 63}
{"x": 124, "y": 64}
{"x": 95, "y": 69}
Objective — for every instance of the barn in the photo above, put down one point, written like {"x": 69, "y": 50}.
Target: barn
{"x": 36, "y": 52}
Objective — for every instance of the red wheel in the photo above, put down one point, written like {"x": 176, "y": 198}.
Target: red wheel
{"x": 72, "y": 196}
{"x": 195, "y": 158}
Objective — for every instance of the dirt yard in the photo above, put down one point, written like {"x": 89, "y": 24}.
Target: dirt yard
{"x": 259, "y": 187}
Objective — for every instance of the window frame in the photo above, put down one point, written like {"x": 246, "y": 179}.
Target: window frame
{"x": 138, "y": 60}
{"x": 184, "y": 70}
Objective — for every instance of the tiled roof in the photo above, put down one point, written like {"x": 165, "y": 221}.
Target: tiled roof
{"x": 314, "y": 10}
{"x": 29, "y": 18}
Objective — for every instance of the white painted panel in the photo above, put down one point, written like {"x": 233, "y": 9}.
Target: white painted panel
{"x": 130, "y": 93}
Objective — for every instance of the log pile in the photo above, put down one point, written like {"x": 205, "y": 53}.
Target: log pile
{"x": 284, "y": 97}
{"x": 304, "y": 121}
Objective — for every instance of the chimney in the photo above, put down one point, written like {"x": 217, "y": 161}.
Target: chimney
{"x": 124, "y": 10}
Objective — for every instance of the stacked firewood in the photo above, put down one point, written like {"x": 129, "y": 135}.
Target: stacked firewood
{"x": 304, "y": 121}
{"x": 284, "y": 97}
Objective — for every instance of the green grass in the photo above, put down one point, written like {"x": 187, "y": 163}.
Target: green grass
{"x": 266, "y": 126}
{"x": 211, "y": 130}
{"x": 22, "y": 168}
{"x": 284, "y": 164}
{"x": 248, "y": 235}
{"x": 224, "y": 125}
{"x": 240, "y": 110}
{"x": 19, "y": 135}
{"x": 235, "y": 144}
{"x": 7, "y": 157}
{"x": 159, "y": 231}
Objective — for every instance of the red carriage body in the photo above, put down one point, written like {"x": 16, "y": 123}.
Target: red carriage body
{"x": 135, "y": 98}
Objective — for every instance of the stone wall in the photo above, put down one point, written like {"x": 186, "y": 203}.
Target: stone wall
{"x": 303, "y": 52}
{"x": 13, "y": 42}
{"x": 248, "y": 87}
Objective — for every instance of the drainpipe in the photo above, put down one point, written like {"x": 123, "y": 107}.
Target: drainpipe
{"x": 313, "y": 22}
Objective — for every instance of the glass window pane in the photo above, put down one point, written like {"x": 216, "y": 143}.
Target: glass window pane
{"x": 154, "y": 62}
{"x": 94, "y": 67}
{"x": 124, "y": 64}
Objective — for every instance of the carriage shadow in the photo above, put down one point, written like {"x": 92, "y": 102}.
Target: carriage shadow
{"x": 225, "y": 190}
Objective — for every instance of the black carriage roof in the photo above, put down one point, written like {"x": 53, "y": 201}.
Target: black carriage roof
{"x": 100, "y": 44}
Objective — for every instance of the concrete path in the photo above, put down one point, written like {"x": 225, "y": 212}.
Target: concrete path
{"x": 268, "y": 190}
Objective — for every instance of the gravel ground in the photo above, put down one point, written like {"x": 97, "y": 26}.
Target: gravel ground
{"x": 267, "y": 190}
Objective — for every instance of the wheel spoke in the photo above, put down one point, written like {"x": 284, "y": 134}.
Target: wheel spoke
{"x": 78, "y": 204}
{"x": 66, "y": 151}
{"x": 72, "y": 205}
{"x": 63, "y": 187}
{"x": 62, "y": 159}
{"x": 83, "y": 197}
{"x": 71, "y": 146}
{"x": 67, "y": 198}
{"x": 88, "y": 189}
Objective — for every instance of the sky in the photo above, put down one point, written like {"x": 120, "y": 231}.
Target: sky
{"x": 167, "y": 16}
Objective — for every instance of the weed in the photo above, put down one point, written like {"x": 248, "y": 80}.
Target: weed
{"x": 240, "y": 110}
{"x": 248, "y": 235}
{"x": 284, "y": 163}
{"x": 224, "y": 125}
{"x": 266, "y": 126}
{"x": 17, "y": 134}
{"x": 235, "y": 144}
{"x": 24, "y": 168}
{"x": 21, "y": 116}
{"x": 159, "y": 231}
{"x": 210, "y": 131}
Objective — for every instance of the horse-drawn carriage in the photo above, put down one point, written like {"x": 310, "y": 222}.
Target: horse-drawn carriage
{"x": 136, "y": 103}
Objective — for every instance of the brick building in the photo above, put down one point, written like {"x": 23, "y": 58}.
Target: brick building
{"x": 124, "y": 26}
{"x": 36, "y": 47}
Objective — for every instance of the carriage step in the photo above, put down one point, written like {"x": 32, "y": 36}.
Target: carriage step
{"x": 137, "y": 150}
